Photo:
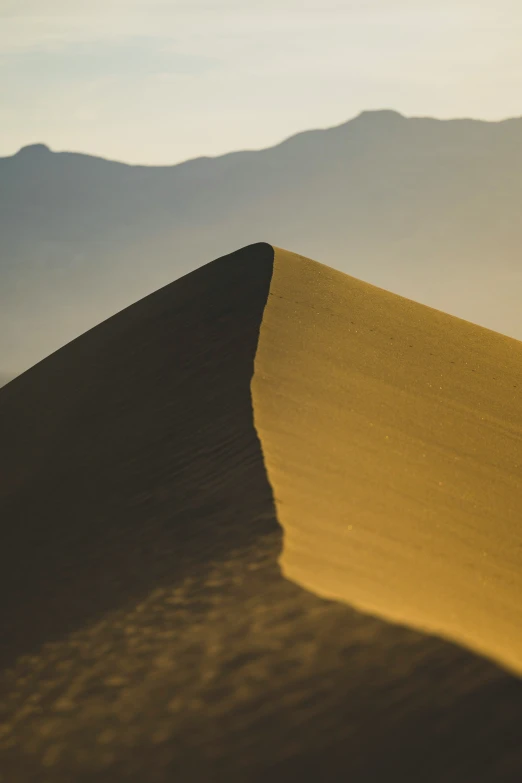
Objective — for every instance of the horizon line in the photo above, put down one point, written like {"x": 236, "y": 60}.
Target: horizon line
{"x": 45, "y": 148}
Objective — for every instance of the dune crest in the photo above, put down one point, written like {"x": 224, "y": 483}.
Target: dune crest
{"x": 392, "y": 438}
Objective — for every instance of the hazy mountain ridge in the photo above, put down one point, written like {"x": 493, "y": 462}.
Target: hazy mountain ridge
{"x": 426, "y": 208}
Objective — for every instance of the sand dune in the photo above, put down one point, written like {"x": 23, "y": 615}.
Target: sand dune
{"x": 155, "y": 471}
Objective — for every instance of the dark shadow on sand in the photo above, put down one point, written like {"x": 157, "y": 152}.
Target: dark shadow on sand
{"x": 125, "y": 452}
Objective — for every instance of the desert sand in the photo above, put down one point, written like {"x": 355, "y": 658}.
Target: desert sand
{"x": 184, "y": 489}
{"x": 392, "y": 437}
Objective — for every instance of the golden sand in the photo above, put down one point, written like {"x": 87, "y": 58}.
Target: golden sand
{"x": 392, "y": 438}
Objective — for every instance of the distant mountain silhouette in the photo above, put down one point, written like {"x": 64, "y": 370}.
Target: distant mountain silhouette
{"x": 33, "y": 150}
{"x": 426, "y": 208}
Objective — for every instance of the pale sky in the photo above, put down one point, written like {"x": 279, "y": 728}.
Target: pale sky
{"x": 161, "y": 81}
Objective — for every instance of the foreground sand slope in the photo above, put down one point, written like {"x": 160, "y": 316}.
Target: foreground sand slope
{"x": 392, "y": 437}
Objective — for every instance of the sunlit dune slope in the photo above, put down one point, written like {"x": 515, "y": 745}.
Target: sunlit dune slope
{"x": 147, "y": 633}
{"x": 392, "y": 437}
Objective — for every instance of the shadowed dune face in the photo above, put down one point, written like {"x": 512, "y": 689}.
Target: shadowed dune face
{"x": 117, "y": 447}
{"x": 139, "y": 566}
{"x": 392, "y": 437}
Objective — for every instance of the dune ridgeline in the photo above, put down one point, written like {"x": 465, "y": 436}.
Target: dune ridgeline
{"x": 264, "y": 524}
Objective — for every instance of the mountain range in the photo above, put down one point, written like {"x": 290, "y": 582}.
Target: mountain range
{"x": 426, "y": 208}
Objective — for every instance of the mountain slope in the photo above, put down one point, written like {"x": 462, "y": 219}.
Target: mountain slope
{"x": 148, "y": 633}
{"x": 425, "y": 208}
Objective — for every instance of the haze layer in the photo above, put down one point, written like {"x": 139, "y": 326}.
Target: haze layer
{"x": 426, "y": 208}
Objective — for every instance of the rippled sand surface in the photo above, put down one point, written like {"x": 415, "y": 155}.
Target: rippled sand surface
{"x": 392, "y": 436}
